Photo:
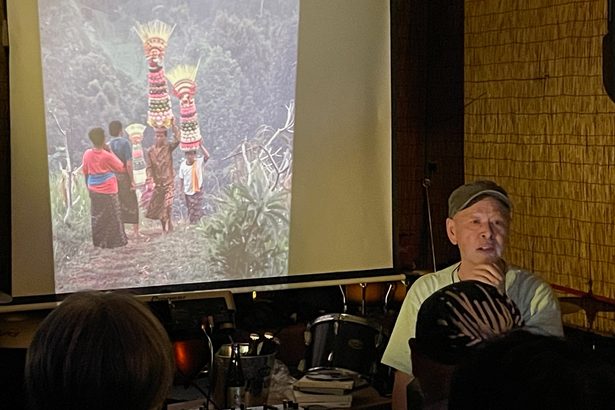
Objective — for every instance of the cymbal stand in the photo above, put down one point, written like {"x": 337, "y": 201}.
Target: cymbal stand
{"x": 363, "y": 290}
{"x": 387, "y": 295}
{"x": 344, "y": 298}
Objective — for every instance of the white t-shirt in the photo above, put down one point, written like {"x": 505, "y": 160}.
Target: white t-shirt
{"x": 185, "y": 174}
{"x": 533, "y": 296}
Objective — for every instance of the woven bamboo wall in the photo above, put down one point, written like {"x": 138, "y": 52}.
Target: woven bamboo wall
{"x": 538, "y": 121}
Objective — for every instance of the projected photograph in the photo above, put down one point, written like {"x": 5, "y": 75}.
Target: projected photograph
{"x": 169, "y": 130}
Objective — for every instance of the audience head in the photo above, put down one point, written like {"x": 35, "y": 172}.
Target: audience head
{"x": 115, "y": 128}
{"x": 97, "y": 136}
{"x": 527, "y": 371}
{"x": 450, "y": 324}
{"x": 99, "y": 351}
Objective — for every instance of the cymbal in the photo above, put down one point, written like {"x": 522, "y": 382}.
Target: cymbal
{"x": 572, "y": 304}
{"x": 568, "y": 308}
{"x": 587, "y": 303}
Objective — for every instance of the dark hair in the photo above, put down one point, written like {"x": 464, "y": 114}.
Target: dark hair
{"x": 115, "y": 127}
{"x": 97, "y": 136}
{"x": 527, "y": 371}
{"x": 99, "y": 351}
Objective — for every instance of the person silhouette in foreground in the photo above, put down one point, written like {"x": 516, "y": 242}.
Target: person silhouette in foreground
{"x": 99, "y": 351}
{"x": 450, "y": 324}
{"x": 523, "y": 370}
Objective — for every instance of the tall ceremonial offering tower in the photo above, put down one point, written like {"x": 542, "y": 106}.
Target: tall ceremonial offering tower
{"x": 135, "y": 135}
{"x": 184, "y": 86}
{"x": 155, "y": 35}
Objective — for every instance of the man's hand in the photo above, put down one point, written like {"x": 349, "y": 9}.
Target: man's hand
{"x": 490, "y": 273}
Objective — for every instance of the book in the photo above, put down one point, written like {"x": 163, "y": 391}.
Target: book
{"x": 325, "y": 400}
{"x": 325, "y": 405}
{"x": 322, "y": 390}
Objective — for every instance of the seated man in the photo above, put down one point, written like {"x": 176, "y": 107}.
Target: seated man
{"x": 523, "y": 370}
{"x": 99, "y": 351}
{"x": 450, "y": 323}
{"x": 478, "y": 222}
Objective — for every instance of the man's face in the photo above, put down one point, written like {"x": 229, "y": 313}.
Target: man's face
{"x": 190, "y": 156}
{"x": 480, "y": 231}
{"x": 161, "y": 138}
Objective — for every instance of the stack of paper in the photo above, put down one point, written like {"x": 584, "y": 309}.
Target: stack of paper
{"x": 324, "y": 393}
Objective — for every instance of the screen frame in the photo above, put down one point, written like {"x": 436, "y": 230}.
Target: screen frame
{"x": 239, "y": 286}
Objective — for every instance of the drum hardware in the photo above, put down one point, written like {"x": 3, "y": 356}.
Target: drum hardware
{"x": 343, "y": 341}
{"x": 364, "y": 295}
{"x": 379, "y": 340}
{"x": 588, "y": 303}
{"x": 567, "y": 308}
{"x": 387, "y": 297}
{"x": 363, "y": 287}
{"x": 331, "y": 375}
{"x": 208, "y": 324}
{"x": 383, "y": 294}
{"x": 344, "y": 302}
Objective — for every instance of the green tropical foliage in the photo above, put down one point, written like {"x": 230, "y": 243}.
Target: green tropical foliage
{"x": 249, "y": 233}
{"x": 71, "y": 228}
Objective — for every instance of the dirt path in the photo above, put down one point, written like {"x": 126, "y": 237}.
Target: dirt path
{"x": 154, "y": 260}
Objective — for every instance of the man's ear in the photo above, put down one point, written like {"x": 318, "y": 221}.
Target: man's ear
{"x": 451, "y": 231}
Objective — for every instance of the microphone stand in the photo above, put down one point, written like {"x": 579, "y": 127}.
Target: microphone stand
{"x": 426, "y": 185}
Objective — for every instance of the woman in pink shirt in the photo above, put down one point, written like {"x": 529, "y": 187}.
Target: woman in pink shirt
{"x": 99, "y": 165}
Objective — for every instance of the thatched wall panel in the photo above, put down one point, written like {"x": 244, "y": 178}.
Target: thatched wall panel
{"x": 538, "y": 121}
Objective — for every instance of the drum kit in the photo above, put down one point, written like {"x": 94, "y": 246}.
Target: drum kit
{"x": 356, "y": 342}
{"x": 353, "y": 342}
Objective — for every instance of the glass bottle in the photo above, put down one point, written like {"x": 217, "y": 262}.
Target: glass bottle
{"x": 235, "y": 380}
{"x": 254, "y": 338}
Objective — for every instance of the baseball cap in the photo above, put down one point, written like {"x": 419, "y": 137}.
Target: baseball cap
{"x": 457, "y": 318}
{"x": 461, "y": 197}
